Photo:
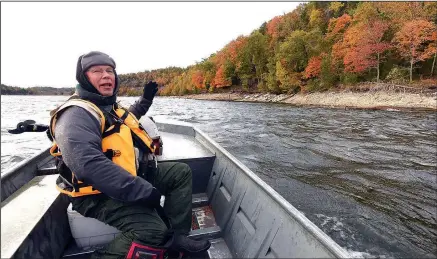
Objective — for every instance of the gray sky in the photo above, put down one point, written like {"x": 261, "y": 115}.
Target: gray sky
{"x": 40, "y": 42}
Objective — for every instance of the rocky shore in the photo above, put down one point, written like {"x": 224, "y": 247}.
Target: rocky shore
{"x": 359, "y": 100}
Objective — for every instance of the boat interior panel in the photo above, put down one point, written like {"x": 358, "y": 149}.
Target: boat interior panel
{"x": 34, "y": 223}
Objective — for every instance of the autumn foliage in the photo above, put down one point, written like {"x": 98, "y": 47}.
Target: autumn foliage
{"x": 414, "y": 40}
{"x": 317, "y": 46}
{"x": 197, "y": 79}
{"x": 273, "y": 27}
{"x": 313, "y": 68}
{"x": 220, "y": 80}
{"x": 338, "y": 25}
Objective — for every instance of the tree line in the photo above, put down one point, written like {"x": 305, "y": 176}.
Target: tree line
{"x": 37, "y": 90}
{"x": 316, "y": 47}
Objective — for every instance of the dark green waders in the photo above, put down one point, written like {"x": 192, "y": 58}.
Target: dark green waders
{"x": 138, "y": 221}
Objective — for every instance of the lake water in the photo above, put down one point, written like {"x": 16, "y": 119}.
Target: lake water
{"x": 366, "y": 178}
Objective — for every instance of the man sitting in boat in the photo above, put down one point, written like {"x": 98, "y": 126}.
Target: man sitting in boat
{"x": 106, "y": 166}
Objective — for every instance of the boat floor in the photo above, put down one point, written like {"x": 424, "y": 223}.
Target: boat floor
{"x": 203, "y": 226}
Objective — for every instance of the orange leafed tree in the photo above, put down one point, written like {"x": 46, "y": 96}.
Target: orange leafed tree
{"x": 336, "y": 30}
{"x": 414, "y": 41}
{"x": 364, "y": 46}
{"x": 313, "y": 68}
{"x": 197, "y": 79}
{"x": 229, "y": 52}
{"x": 338, "y": 25}
{"x": 219, "y": 79}
{"x": 219, "y": 58}
{"x": 234, "y": 47}
{"x": 273, "y": 27}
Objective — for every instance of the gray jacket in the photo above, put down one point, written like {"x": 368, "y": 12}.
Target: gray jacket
{"x": 80, "y": 141}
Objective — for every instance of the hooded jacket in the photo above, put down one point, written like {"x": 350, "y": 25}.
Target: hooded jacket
{"x": 78, "y": 135}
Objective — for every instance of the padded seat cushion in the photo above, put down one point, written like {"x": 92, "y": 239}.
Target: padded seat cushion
{"x": 89, "y": 232}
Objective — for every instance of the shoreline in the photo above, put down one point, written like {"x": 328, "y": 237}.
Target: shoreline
{"x": 378, "y": 100}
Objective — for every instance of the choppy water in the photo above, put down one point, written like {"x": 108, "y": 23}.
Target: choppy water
{"x": 366, "y": 178}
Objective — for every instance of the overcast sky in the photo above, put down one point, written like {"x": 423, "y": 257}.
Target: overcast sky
{"x": 40, "y": 42}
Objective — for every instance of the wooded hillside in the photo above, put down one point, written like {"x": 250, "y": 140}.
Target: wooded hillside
{"x": 37, "y": 90}
{"x": 316, "y": 47}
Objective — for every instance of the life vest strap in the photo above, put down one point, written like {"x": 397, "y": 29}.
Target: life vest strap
{"x": 125, "y": 114}
{"x": 64, "y": 172}
{"x": 115, "y": 128}
{"x": 78, "y": 185}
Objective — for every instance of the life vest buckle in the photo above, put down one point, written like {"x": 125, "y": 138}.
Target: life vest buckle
{"x": 157, "y": 144}
{"x": 111, "y": 153}
{"x": 116, "y": 153}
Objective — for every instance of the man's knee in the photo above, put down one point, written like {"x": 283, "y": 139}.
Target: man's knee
{"x": 185, "y": 170}
{"x": 184, "y": 175}
{"x": 155, "y": 236}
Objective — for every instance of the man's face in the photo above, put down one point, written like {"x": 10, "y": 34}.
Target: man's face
{"x": 102, "y": 78}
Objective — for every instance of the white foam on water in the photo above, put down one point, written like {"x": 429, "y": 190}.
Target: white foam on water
{"x": 357, "y": 254}
{"x": 335, "y": 224}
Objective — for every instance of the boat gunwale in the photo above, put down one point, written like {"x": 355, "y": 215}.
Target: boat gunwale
{"x": 22, "y": 164}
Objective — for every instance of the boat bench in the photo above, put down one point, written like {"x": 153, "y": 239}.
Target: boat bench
{"x": 186, "y": 149}
{"x": 33, "y": 222}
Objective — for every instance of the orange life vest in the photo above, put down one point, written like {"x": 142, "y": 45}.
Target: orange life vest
{"x": 117, "y": 143}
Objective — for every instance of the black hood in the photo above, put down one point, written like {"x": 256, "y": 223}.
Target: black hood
{"x": 87, "y": 91}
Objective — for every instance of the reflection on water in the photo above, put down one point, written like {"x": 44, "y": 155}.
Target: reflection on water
{"x": 366, "y": 178}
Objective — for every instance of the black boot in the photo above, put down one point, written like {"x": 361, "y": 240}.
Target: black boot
{"x": 187, "y": 245}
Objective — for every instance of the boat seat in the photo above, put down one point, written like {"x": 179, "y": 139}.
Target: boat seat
{"x": 179, "y": 147}
{"x": 90, "y": 232}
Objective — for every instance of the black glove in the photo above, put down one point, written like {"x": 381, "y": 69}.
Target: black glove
{"x": 182, "y": 243}
{"x": 150, "y": 90}
{"x": 154, "y": 198}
